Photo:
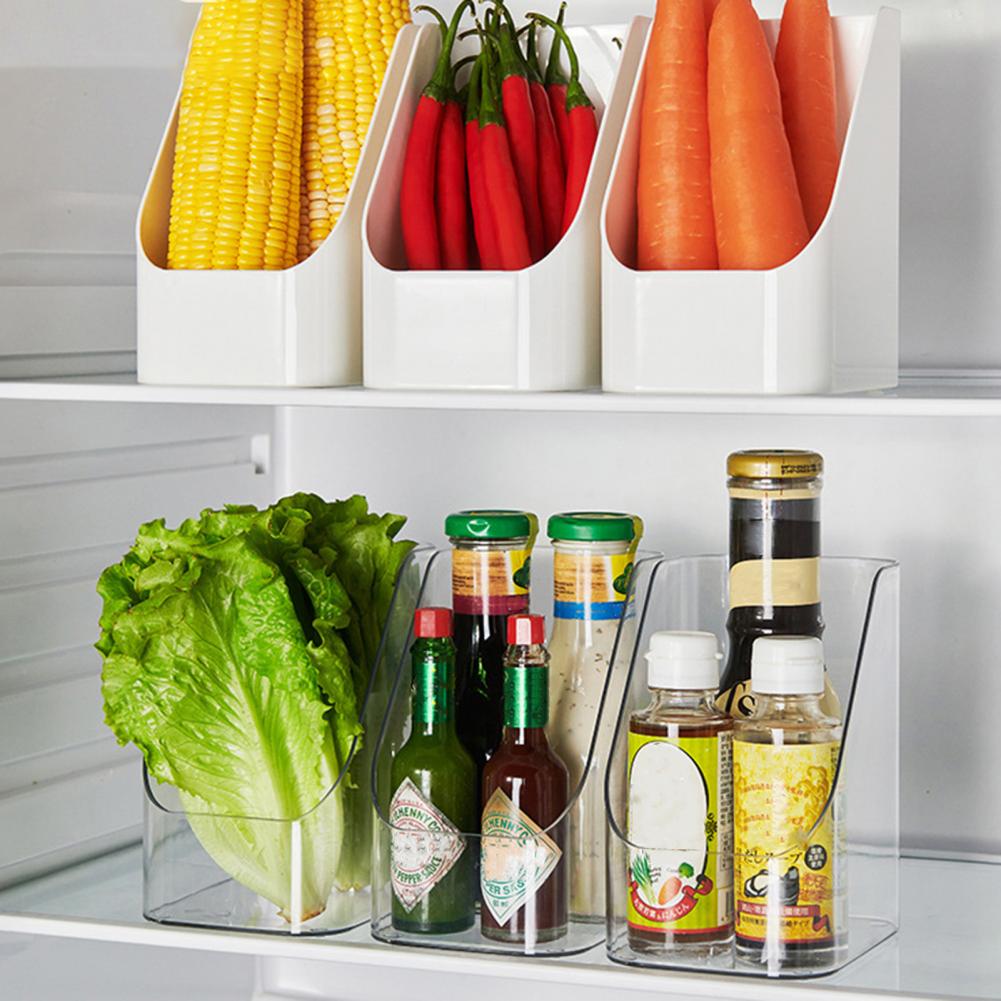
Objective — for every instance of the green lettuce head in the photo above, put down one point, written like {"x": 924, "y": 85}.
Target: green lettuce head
{"x": 237, "y": 652}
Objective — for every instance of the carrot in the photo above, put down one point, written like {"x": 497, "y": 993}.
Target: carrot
{"x": 674, "y": 198}
{"x": 759, "y": 215}
{"x": 710, "y": 9}
{"x": 804, "y": 63}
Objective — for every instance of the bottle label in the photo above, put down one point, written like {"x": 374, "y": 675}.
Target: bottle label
{"x": 517, "y": 857}
{"x": 775, "y": 583}
{"x": 786, "y": 866}
{"x": 590, "y": 586}
{"x": 526, "y": 696}
{"x": 424, "y": 845}
{"x": 680, "y": 825}
{"x": 490, "y": 581}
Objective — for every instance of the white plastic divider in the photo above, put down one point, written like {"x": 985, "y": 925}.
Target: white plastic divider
{"x": 826, "y": 321}
{"x": 296, "y": 327}
{"x": 535, "y": 329}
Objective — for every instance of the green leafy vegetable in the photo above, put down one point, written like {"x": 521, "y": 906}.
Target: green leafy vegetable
{"x": 237, "y": 653}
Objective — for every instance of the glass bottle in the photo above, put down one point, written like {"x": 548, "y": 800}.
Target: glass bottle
{"x": 680, "y": 814}
{"x": 592, "y": 567}
{"x": 523, "y": 881}
{"x": 774, "y": 559}
{"x": 432, "y": 866}
{"x": 789, "y": 878}
{"x": 491, "y": 567}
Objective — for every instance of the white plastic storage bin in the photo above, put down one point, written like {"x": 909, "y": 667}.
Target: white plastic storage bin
{"x": 825, "y": 321}
{"x": 297, "y": 327}
{"x": 535, "y": 329}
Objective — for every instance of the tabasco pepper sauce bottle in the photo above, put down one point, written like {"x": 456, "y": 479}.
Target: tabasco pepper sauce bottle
{"x": 523, "y": 870}
{"x": 774, "y": 559}
{"x": 433, "y": 867}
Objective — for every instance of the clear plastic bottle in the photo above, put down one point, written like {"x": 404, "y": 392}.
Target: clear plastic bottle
{"x": 680, "y": 818}
{"x": 789, "y": 874}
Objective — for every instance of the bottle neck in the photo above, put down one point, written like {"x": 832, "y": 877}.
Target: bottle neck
{"x": 433, "y": 709}
{"x": 490, "y": 577}
{"x": 790, "y": 706}
{"x": 526, "y": 688}
{"x": 695, "y": 700}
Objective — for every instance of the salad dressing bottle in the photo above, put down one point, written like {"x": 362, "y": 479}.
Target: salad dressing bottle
{"x": 680, "y": 813}
{"x": 788, "y": 814}
{"x": 592, "y": 569}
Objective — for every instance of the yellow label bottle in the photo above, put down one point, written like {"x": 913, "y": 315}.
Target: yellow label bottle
{"x": 789, "y": 877}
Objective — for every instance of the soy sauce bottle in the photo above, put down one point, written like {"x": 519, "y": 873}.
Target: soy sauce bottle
{"x": 774, "y": 559}
{"x": 491, "y": 567}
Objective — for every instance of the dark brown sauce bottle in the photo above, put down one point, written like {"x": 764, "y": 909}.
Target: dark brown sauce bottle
{"x": 774, "y": 559}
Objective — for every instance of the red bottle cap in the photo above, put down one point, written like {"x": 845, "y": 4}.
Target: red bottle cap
{"x": 432, "y": 623}
{"x": 526, "y": 630}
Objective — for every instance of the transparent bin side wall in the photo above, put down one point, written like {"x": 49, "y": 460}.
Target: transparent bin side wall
{"x": 581, "y": 831}
{"x": 261, "y": 874}
{"x": 860, "y": 607}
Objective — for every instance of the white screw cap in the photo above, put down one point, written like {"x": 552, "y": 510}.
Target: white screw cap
{"x": 787, "y": 665}
{"x": 689, "y": 661}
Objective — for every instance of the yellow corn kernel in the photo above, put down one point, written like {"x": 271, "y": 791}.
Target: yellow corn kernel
{"x": 348, "y": 43}
{"x": 236, "y": 199}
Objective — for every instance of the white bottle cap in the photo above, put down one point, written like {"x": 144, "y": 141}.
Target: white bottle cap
{"x": 787, "y": 665}
{"x": 689, "y": 661}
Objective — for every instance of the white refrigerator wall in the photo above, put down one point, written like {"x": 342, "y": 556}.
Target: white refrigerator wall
{"x": 918, "y": 490}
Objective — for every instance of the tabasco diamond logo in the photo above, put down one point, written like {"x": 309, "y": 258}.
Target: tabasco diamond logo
{"x": 517, "y": 857}
{"x": 425, "y": 845}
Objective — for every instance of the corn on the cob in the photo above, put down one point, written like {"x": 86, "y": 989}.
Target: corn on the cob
{"x": 348, "y": 43}
{"x": 236, "y": 186}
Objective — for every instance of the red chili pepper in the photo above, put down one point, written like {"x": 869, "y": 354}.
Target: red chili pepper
{"x": 501, "y": 181}
{"x": 556, "y": 88}
{"x": 552, "y": 180}
{"x": 519, "y": 115}
{"x": 583, "y": 128}
{"x": 483, "y": 223}
{"x": 417, "y": 190}
{"x": 452, "y": 202}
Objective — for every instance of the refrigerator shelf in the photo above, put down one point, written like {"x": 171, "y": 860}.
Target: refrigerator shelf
{"x": 963, "y": 395}
{"x": 940, "y": 951}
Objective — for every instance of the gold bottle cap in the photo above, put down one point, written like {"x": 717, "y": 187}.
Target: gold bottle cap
{"x": 775, "y": 464}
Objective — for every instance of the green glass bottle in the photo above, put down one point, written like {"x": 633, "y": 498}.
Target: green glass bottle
{"x": 433, "y": 867}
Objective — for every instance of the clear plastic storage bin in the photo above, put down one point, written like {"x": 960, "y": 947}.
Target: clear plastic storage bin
{"x": 584, "y": 930}
{"x": 192, "y": 871}
{"x": 534, "y": 329}
{"x": 824, "y": 322}
{"x": 860, "y": 599}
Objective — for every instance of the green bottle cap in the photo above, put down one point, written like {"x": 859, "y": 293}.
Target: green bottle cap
{"x": 491, "y": 525}
{"x": 594, "y": 526}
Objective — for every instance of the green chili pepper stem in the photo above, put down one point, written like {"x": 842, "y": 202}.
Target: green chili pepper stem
{"x": 473, "y": 96}
{"x": 531, "y": 59}
{"x": 441, "y": 86}
{"x": 490, "y": 110}
{"x": 554, "y": 69}
{"x": 442, "y": 23}
{"x": 512, "y": 62}
{"x": 576, "y": 95}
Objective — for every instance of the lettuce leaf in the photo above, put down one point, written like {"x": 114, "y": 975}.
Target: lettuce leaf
{"x": 237, "y": 653}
